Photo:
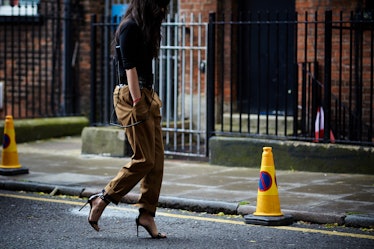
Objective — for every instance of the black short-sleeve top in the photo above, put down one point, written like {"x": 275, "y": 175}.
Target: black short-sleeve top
{"x": 135, "y": 52}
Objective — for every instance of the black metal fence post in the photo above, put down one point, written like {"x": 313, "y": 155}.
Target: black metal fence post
{"x": 210, "y": 80}
{"x": 327, "y": 78}
{"x": 67, "y": 76}
{"x": 303, "y": 99}
{"x": 295, "y": 83}
{"x": 93, "y": 71}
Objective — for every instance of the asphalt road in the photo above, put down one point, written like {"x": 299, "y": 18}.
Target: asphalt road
{"x": 35, "y": 220}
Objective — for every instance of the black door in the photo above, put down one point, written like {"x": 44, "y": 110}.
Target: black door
{"x": 266, "y": 58}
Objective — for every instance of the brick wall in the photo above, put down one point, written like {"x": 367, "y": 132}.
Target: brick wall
{"x": 89, "y": 7}
{"x": 198, "y": 7}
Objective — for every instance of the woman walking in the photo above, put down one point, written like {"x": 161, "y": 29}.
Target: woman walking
{"x": 138, "y": 109}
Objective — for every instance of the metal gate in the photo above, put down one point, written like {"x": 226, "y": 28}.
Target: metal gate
{"x": 181, "y": 79}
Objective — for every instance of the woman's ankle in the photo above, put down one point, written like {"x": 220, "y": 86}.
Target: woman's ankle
{"x": 146, "y": 212}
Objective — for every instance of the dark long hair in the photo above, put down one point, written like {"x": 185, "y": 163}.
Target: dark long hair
{"x": 148, "y": 14}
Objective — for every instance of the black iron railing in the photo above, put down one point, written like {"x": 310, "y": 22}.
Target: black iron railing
{"x": 275, "y": 73}
{"x": 38, "y": 60}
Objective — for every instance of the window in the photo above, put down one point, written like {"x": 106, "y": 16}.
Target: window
{"x": 19, "y": 7}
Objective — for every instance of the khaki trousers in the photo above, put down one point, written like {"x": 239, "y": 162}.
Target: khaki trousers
{"x": 145, "y": 138}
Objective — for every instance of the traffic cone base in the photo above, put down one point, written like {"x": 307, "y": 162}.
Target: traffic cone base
{"x": 9, "y": 163}
{"x": 12, "y": 172}
{"x": 283, "y": 220}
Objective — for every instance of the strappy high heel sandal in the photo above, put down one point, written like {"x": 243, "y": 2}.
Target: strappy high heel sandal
{"x": 94, "y": 223}
{"x": 148, "y": 229}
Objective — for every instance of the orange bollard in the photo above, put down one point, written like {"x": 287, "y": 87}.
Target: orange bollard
{"x": 9, "y": 163}
{"x": 268, "y": 210}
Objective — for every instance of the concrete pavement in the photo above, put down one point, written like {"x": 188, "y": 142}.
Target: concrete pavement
{"x": 57, "y": 165}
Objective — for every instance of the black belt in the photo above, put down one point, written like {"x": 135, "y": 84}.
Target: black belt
{"x": 142, "y": 84}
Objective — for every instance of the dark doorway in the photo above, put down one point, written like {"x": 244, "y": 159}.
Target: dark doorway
{"x": 266, "y": 58}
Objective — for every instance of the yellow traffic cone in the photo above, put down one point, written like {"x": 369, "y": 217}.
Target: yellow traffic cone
{"x": 9, "y": 163}
{"x": 268, "y": 210}
{"x": 267, "y": 196}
